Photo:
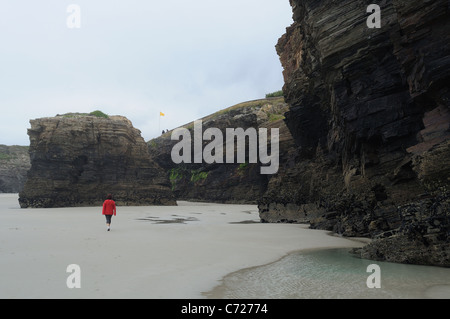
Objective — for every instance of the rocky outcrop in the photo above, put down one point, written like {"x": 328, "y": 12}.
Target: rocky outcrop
{"x": 420, "y": 236}
{"x": 76, "y": 160}
{"x": 14, "y": 165}
{"x": 369, "y": 111}
{"x": 227, "y": 182}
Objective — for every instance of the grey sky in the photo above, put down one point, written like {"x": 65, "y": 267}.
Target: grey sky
{"x": 136, "y": 58}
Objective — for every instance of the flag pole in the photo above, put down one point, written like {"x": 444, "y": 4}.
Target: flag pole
{"x": 160, "y": 114}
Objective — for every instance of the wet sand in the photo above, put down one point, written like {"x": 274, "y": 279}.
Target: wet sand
{"x": 151, "y": 252}
{"x": 333, "y": 274}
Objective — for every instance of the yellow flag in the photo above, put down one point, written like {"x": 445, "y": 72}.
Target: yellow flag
{"x": 161, "y": 114}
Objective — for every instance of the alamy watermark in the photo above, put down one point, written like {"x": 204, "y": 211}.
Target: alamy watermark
{"x": 213, "y": 152}
{"x": 74, "y": 279}
{"x": 73, "y": 20}
{"x": 374, "y": 20}
{"x": 374, "y": 280}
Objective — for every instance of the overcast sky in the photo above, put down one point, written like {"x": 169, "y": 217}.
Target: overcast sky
{"x": 135, "y": 58}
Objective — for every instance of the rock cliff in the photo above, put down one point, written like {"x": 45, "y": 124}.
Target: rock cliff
{"x": 14, "y": 165}
{"x": 76, "y": 160}
{"x": 370, "y": 113}
{"x": 232, "y": 182}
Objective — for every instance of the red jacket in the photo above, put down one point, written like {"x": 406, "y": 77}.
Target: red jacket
{"x": 109, "y": 207}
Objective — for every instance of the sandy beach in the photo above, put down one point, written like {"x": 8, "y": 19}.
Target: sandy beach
{"x": 151, "y": 252}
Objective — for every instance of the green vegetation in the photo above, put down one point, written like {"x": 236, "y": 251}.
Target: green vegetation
{"x": 153, "y": 143}
{"x": 175, "y": 175}
{"x": 197, "y": 175}
{"x": 179, "y": 173}
{"x": 243, "y": 166}
{"x": 94, "y": 113}
{"x": 99, "y": 114}
{"x": 275, "y": 117}
{"x": 251, "y": 104}
{"x": 13, "y": 153}
{"x": 275, "y": 101}
{"x": 5, "y": 157}
{"x": 242, "y": 169}
{"x": 275, "y": 94}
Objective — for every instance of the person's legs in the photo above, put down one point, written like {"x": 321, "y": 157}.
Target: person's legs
{"x": 108, "y": 221}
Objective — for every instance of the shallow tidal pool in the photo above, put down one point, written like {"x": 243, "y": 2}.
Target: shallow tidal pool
{"x": 334, "y": 274}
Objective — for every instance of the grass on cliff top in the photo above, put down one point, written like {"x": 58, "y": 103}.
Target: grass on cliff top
{"x": 249, "y": 104}
{"x": 96, "y": 113}
{"x": 5, "y": 157}
{"x": 275, "y": 94}
{"x": 8, "y": 153}
{"x": 273, "y": 98}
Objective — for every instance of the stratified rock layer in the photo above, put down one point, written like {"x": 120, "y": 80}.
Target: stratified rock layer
{"x": 14, "y": 165}
{"x": 78, "y": 160}
{"x": 370, "y": 114}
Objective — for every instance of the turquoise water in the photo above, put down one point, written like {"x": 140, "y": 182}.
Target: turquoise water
{"x": 333, "y": 274}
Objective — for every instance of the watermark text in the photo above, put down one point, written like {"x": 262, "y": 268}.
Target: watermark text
{"x": 374, "y": 20}
{"x": 74, "y": 279}
{"x": 73, "y": 21}
{"x": 235, "y": 146}
{"x": 374, "y": 280}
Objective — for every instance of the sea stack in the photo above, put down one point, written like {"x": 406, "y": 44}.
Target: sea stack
{"x": 77, "y": 160}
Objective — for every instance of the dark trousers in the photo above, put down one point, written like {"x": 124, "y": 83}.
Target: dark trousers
{"x": 108, "y": 219}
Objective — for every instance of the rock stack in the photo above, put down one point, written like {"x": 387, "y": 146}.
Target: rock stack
{"x": 77, "y": 160}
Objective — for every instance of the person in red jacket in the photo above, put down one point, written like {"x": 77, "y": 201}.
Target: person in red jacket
{"x": 109, "y": 209}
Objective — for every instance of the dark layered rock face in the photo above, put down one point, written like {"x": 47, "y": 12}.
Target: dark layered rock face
{"x": 14, "y": 165}
{"x": 370, "y": 114}
{"x": 237, "y": 183}
{"x": 79, "y": 160}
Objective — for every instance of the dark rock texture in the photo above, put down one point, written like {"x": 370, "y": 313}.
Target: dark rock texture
{"x": 370, "y": 114}
{"x": 14, "y": 165}
{"x": 225, "y": 183}
{"x": 78, "y": 160}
